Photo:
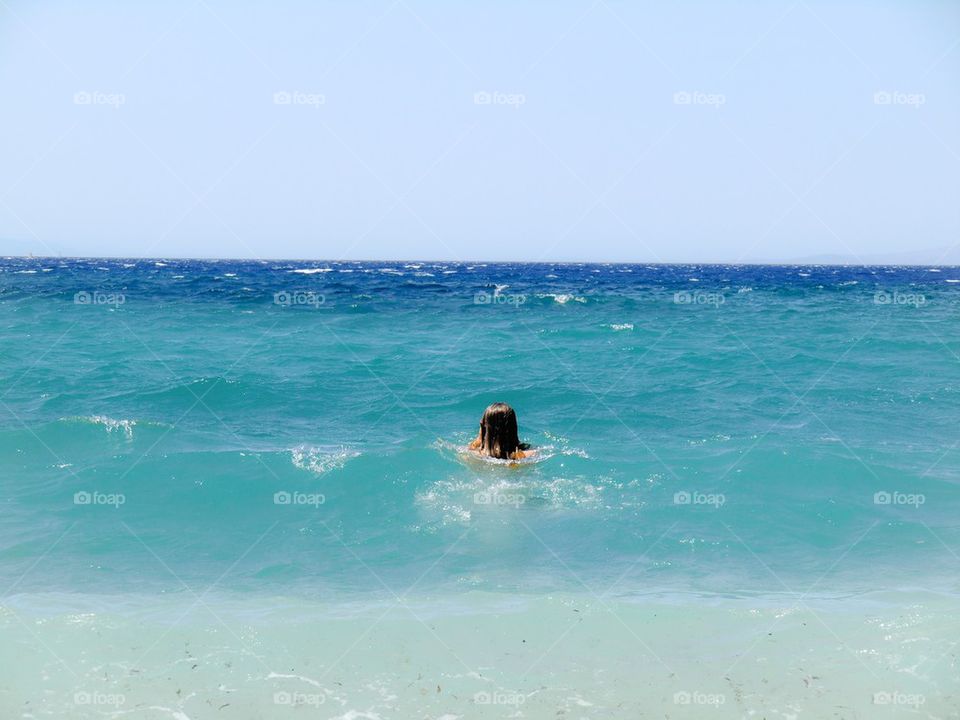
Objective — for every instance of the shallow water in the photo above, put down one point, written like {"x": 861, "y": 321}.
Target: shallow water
{"x": 719, "y": 447}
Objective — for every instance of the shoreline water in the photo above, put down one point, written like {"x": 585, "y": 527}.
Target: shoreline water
{"x": 487, "y": 656}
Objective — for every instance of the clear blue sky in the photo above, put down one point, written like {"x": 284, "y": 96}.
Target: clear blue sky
{"x": 155, "y": 129}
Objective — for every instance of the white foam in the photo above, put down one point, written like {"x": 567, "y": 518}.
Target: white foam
{"x": 321, "y": 460}
{"x": 563, "y": 298}
{"x": 456, "y": 499}
{"x": 111, "y": 425}
{"x": 562, "y": 446}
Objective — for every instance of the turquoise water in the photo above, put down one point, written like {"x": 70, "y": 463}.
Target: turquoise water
{"x": 717, "y": 442}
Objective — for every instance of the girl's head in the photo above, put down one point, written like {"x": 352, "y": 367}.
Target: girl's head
{"x": 498, "y": 432}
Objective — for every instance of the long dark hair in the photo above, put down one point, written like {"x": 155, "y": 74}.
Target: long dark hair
{"x": 498, "y": 436}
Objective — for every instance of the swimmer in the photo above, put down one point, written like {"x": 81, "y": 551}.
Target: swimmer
{"x": 498, "y": 435}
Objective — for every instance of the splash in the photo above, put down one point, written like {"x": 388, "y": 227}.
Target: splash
{"x": 321, "y": 460}
{"x": 562, "y": 298}
{"x": 111, "y": 425}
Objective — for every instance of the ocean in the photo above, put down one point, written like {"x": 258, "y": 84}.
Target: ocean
{"x": 236, "y": 489}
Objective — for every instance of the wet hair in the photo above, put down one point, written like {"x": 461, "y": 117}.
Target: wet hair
{"x": 498, "y": 432}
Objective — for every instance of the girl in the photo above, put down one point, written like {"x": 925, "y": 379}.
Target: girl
{"x": 498, "y": 434}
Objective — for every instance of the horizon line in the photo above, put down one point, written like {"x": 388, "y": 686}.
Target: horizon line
{"x": 753, "y": 263}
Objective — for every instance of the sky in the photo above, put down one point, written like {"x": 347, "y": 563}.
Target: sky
{"x": 595, "y": 130}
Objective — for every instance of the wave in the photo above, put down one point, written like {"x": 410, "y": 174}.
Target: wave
{"x": 321, "y": 460}
{"x": 110, "y": 424}
{"x": 562, "y": 298}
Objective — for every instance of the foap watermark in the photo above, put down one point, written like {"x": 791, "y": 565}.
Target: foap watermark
{"x": 897, "y": 698}
{"x": 284, "y": 497}
{"x": 899, "y": 498}
{"x": 495, "y": 97}
{"x": 885, "y": 297}
{"x": 687, "y": 497}
{"x": 96, "y": 697}
{"x": 498, "y": 697}
{"x": 699, "y": 297}
{"x": 498, "y": 298}
{"x": 698, "y": 97}
{"x": 299, "y": 699}
{"x": 696, "y": 697}
{"x": 98, "y": 97}
{"x": 85, "y": 497}
{"x": 897, "y": 97}
{"x": 492, "y": 497}
{"x": 299, "y": 97}
{"x": 289, "y": 298}
{"x": 96, "y": 297}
